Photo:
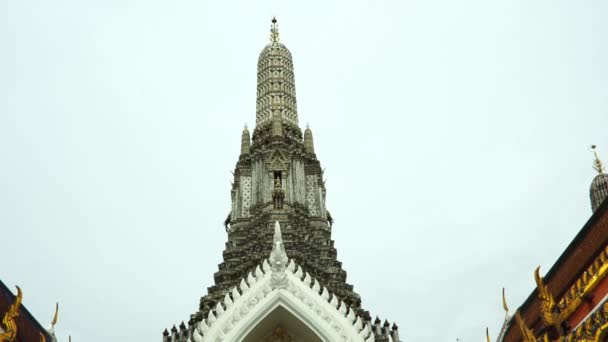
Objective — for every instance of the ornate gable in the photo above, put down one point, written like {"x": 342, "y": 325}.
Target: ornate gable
{"x": 278, "y": 161}
{"x": 279, "y": 283}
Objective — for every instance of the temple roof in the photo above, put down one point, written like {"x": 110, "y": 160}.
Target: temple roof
{"x": 586, "y": 246}
{"x": 28, "y": 328}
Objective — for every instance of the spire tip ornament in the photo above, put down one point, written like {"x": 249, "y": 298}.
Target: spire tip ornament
{"x": 597, "y": 163}
{"x": 274, "y": 31}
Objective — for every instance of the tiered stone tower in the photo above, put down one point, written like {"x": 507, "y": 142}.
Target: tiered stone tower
{"x": 279, "y": 179}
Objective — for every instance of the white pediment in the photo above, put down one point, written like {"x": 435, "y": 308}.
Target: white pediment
{"x": 281, "y": 285}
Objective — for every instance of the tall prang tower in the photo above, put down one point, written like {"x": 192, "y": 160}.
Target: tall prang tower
{"x": 278, "y": 210}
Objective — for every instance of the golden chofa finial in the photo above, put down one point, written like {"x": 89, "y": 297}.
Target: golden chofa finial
{"x": 274, "y": 31}
{"x": 597, "y": 163}
{"x": 504, "y": 302}
{"x": 9, "y": 320}
{"x": 56, "y": 315}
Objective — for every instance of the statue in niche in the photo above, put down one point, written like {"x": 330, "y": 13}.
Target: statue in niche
{"x": 279, "y": 335}
{"x": 278, "y": 194}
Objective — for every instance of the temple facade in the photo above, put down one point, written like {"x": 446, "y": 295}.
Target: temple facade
{"x": 280, "y": 279}
{"x": 570, "y": 302}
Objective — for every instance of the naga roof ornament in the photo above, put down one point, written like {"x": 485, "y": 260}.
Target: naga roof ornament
{"x": 526, "y": 333}
{"x": 9, "y": 319}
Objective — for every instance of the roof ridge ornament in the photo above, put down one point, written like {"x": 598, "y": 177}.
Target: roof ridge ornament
{"x": 9, "y": 320}
{"x": 274, "y": 31}
{"x": 597, "y": 163}
{"x": 278, "y": 259}
{"x": 51, "y": 329}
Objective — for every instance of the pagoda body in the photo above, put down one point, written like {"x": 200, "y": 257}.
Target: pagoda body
{"x": 279, "y": 189}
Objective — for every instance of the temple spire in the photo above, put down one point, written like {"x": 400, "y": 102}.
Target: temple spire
{"x": 309, "y": 146}
{"x": 245, "y": 141}
{"x": 274, "y": 31}
{"x": 276, "y": 90}
{"x": 599, "y": 187}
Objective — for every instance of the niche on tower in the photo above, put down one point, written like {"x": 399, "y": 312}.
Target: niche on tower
{"x": 277, "y": 165}
{"x": 278, "y": 194}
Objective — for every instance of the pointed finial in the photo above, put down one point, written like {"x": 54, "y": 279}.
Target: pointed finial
{"x": 245, "y": 141}
{"x": 504, "y": 302}
{"x": 309, "y": 146}
{"x": 597, "y": 163}
{"x": 274, "y": 31}
{"x": 278, "y": 259}
{"x": 9, "y": 333}
{"x": 488, "y": 335}
{"x": 54, "y": 321}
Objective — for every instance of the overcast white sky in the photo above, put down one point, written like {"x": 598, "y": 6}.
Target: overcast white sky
{"x": 454, "y": 135}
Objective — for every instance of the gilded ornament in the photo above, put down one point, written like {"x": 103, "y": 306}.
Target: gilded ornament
{"x": 504, "y": 302}
{"x": 547, "y": 300}
{"x": 556, "y": 313}
{"x": 593, "y": 329}
{"x": 10, "y": 325}
{"x": 526, "y": 334}
{"x": 56, "y": 315}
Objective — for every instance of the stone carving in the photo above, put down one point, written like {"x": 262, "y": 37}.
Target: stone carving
{"x": 277, "y": 161}
{"x": 278, "y": 260}
{"x": 246, "y": 193}
{"x": 311, "y": 195}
